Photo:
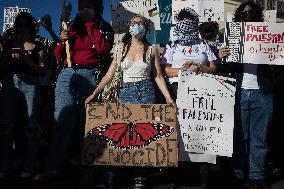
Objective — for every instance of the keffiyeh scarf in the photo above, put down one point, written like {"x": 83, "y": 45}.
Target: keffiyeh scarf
{"x": 185, "y": 32}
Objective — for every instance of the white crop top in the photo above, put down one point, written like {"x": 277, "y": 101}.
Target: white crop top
{"x": 138, "y": 70}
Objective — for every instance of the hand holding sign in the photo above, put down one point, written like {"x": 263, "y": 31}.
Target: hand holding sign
{"x": 255, "y": 42}
{"x": 65, "y": 35}
{"x": 224, "y": 52}
{"x": 195, "y": 68}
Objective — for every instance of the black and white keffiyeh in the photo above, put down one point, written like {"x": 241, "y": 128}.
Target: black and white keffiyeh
{"x": 185, "y": 32}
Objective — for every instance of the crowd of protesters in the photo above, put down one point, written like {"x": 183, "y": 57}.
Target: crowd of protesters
{"x": 43, "y": 97}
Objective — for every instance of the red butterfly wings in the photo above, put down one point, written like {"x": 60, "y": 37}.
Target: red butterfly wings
{"x": 130, "y": 136}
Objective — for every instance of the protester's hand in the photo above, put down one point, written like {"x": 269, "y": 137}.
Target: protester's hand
{"x": 16, "y": 56}
{"x": 46, "y": 23}
{"x": 20, "y": 56}
{"x": 65, "y": 35}
{"x": 90, "y": 99}
{"x": 171, "y": 102}
{"x": 224, "y": 52}
{"x": 187, "y": 64}
{"x": 194, "y": 68}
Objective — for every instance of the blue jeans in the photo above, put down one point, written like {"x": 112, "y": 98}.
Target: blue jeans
{"x": 28, "y": 85}
{"x": 72, "y": 89}
{"x": 142, "y": 92}
{"x": 256, "y": 109}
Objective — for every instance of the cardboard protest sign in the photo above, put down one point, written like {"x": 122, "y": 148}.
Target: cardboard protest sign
{"x": 10, "y": 14}
{"x": 208, "y": 10}
{"x": 206, "y": 113}
{"x": 122, "y": 12}
{"x": 255, "y": 42}
{"x": 131, "y": 135}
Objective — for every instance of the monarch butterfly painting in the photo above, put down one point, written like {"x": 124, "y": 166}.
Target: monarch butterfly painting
{"x": 130, "y": 135}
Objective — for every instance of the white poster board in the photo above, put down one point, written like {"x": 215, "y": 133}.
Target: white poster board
{"x": 206, "y": 113}
{"x": 270, "y": 16}
{"x": 122, "y": 12}
{"x": 10, "y": 14}
{"x": 208, "y": 10}
{"x": 255, "y": 42}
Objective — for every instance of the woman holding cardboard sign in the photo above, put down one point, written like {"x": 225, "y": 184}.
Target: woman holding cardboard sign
{"x": 135, "y": 60}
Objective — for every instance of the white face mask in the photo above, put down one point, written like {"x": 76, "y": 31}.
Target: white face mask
{"x": 137, "y": 31}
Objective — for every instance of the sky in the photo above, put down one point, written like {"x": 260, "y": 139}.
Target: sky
{"x": 40, "y": 8}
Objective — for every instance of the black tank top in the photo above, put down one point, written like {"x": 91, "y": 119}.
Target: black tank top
{"x": 20, "y": 67}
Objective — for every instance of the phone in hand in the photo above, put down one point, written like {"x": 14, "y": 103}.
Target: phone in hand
{"x": 16, "y": 50}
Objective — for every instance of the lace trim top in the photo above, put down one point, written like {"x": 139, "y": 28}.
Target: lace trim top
{"x": 135, "y": 71}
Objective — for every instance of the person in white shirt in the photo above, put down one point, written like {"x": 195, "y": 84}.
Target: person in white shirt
{"x": 253, "y": 109}
{"x": 187, "y": 50}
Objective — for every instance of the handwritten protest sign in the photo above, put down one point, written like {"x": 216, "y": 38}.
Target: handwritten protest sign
{"x": 122, "y": 12}
{"x": 10, "y": 14}
{"x": 206, "y": 113}
{"x": 208, "y": 10}
{"x": 255, "y": 42}
{"x": 131, "y": 135}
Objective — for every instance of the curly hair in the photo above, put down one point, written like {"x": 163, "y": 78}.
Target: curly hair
{"x": 188, "y": 13}
{"x": 256, "y": 13}
{"x": 127, "y": 38}
{"x": 184, "y": 14}
{"x": 208, "y": 30}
